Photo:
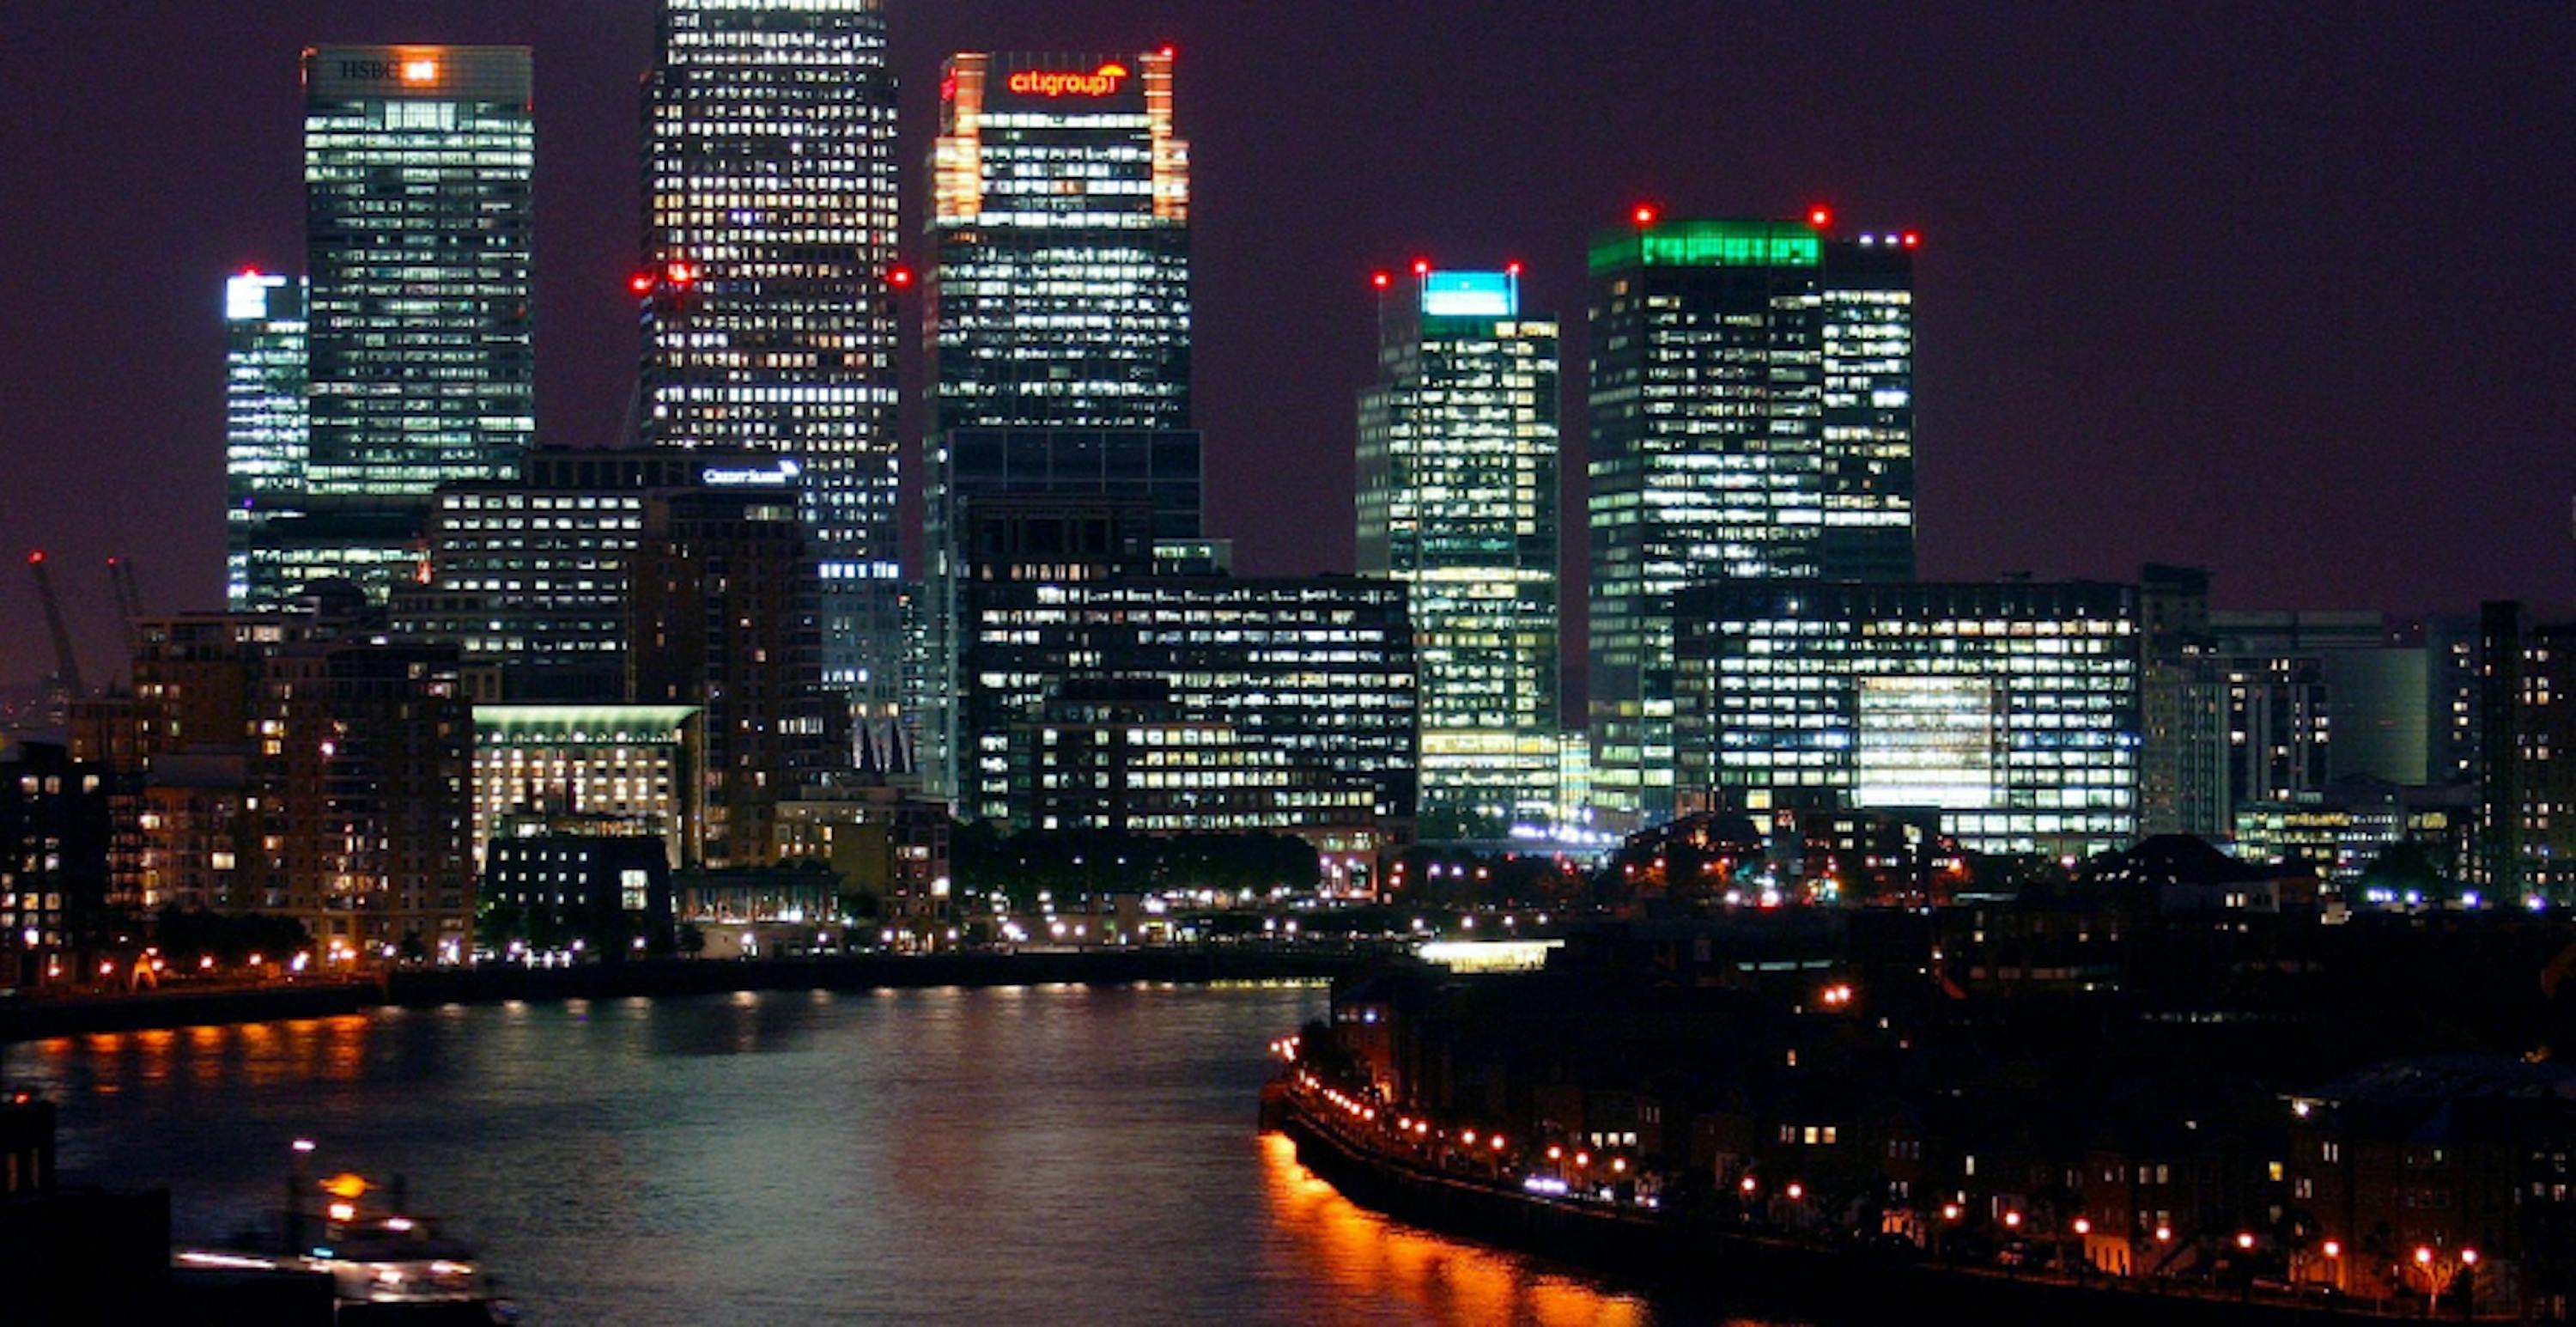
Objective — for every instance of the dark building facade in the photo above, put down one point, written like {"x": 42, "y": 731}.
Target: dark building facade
{"x": 528, "y": 575}
{"x": 55, "y": 833}
{"x": 365, "y": 752}
{"x": 723, "y": 615}
{"x": 2526, "y": 782}
{"x": 611, "y": 891}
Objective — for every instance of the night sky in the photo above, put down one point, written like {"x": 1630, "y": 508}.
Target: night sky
{"x": 2286, "y": 290}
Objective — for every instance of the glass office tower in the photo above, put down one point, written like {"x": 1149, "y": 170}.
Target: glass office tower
{"x": 264, "y": 426}
{"x": 1059, "y": 314}
{"x": 1457, "y": 500}
{"x": 2011, "y": 708}
{"x": 1061, "y": 221}
{"x": 417, "y": 162}
{"x": 1752, "y": 417}
{"x": 769, "y": 284}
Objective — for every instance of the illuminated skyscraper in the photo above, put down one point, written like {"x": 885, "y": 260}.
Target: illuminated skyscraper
{"x": 1061, "y": 217}
{"x": 417, "y": 166}
{"x": 769, "y": 284}
{"x": 264, "y": 425}
{"x": 1060, "y": 310}
{"x": 1457, "y": 499}
{"x": 1752, "y": 417}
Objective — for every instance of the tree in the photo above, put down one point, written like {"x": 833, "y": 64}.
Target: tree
{"x": 500, "y": 924}
{"x": 2406, "y": 866}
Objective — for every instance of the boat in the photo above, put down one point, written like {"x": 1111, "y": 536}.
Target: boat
{"x": 382, "y": 1263}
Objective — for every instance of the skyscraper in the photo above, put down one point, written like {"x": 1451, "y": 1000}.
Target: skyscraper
{"x": 418, "y": 163}
{"x": 1752, "y": 417}
{"x": 769, "y": 284}
{"x": 265, "y": 431}
{"x": 1060, "y": 311}
{"x": 1061, "y": 217}
{"x": 1457, "y": 499}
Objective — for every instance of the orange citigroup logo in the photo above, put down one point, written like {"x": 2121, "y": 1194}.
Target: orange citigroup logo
{"x": 1098, "y": 83}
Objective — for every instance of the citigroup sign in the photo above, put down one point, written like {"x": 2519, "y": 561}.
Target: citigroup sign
{"x": 1050, "y": 83}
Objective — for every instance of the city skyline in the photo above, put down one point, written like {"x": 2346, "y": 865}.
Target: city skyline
{"x": 2034, "y": 398}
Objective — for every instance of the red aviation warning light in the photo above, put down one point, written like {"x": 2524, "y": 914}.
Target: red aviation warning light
{"x": 1913, "y": 239}
{"x": 1644, "y": 214}
{"x": 1821, "y": 217}
{"x": 1381, "y": 279}
{"x": 1422, "y": 267}
{"x": 1512, "y": 268}
{"x": 899, "y": 277}
{"x": 683, "y": 273}
{"x": 1169, "y": 50}
{"x": 641, "y": 283}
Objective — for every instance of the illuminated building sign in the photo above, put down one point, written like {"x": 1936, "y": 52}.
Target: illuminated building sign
{"x": 1048, "y": 83}
{"x": 1469, "y": 295}
{"x": 387, "y": 71}
{"x": 784, "y": 473}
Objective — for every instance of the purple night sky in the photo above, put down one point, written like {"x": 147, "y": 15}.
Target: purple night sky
{"x": 2266, "y": 288}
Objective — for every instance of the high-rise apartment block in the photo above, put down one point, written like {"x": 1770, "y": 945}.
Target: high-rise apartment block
{"x": 1458, "y": 501}
{"x": 722, "y": 615}
{"x": 769, "y": 284}
{"x": 1752, "y": 417}
{"x": 365, "y": 749}
{"x": 54, "y": 883}
{"x": 2526, "y": 817}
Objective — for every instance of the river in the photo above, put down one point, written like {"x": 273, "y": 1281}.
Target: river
{"x": 1056, "y": 1154}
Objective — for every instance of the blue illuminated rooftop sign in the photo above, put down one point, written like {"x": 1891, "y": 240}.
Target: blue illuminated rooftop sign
{"x": 1470, "y": 295}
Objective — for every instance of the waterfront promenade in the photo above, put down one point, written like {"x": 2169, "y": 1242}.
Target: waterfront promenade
{"x": 30, "y": 1019}
{"x": 1621, "y": 1230}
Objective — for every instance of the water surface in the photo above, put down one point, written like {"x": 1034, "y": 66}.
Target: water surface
{"x": 1014, "y": 1155}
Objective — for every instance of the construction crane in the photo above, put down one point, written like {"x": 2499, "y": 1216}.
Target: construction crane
{"x": 66, "y": 665}
{"x": 120, "y": 582}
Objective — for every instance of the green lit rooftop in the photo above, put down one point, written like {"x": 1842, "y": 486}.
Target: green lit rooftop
{"x": 581, "y": 723}
{"x": 1709, "y": 244}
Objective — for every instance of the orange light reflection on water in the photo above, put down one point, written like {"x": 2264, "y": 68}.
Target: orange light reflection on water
{"x": 1367, "y": 1258}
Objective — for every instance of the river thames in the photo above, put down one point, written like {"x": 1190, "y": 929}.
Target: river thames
{"x": 1058, "y": 1154}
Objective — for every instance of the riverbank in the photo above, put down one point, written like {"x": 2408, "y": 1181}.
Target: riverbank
{"x": 1697, "y": 1260}
{"x": 36, "y": 1020}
